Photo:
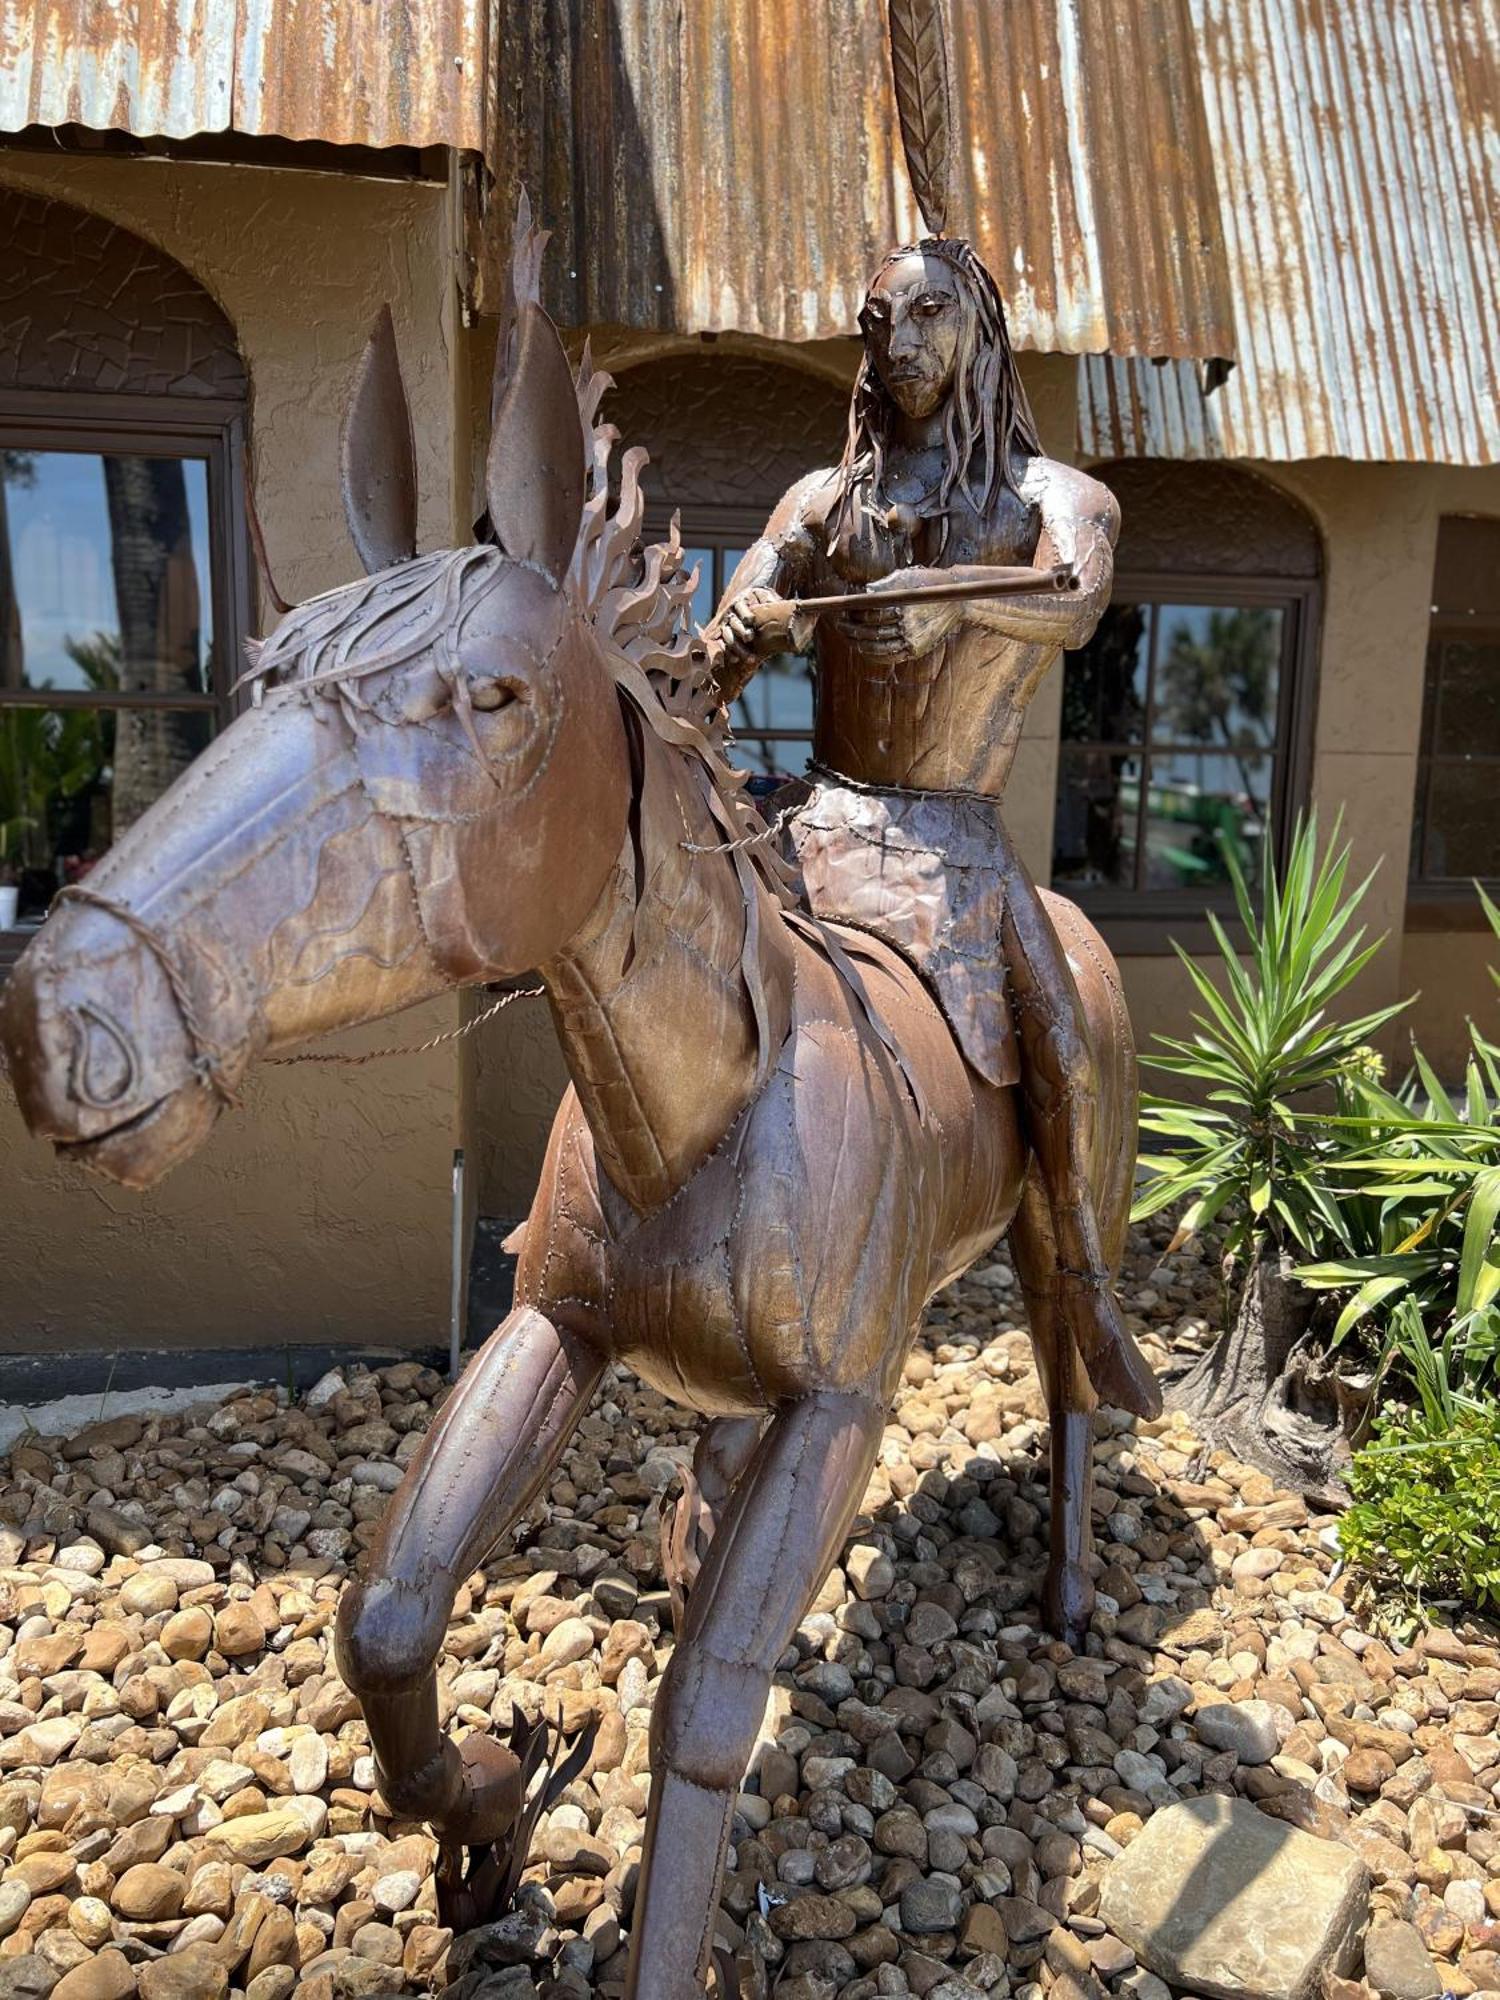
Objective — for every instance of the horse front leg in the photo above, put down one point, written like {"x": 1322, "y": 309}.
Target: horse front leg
{"x": 1068, "y": 1593}
{"x": 780, "y": 1535}
{"x": 494, "y": 1443}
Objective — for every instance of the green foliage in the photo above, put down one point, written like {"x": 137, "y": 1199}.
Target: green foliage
{"x": 1245, "y": 1155}
{"x": 1417, "y": 1188}
{"x": 45, "y": 754}
{"x": 1426, "y": 1513}
{"x": 48, "y": 756}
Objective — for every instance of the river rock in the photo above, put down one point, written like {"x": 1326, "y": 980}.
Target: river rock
{"x": 1398, "y": 1964}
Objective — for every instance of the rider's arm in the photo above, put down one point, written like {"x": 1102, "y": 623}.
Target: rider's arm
{"x": 781, "y": 564}
{"x": 1080, "y": 520}
{"x": 1080, "y": 524}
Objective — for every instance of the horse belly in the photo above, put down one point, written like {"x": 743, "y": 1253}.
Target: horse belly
{"x": 677, "y": 1333}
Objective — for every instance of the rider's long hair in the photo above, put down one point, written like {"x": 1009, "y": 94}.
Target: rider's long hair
{"x": 988, "y": 422}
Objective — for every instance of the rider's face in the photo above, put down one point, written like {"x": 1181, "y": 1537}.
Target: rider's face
{"x": 911, "y": 321}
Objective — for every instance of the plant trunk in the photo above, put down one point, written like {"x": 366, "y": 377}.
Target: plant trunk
{"x": 1265, "y": 1393}
{"x": 156, "y": 596}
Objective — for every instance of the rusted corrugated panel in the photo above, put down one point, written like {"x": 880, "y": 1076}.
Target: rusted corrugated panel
{"x": 1358, "y": 152}
{"x": 351, "y": 72}
{"x": 734, "y": 164}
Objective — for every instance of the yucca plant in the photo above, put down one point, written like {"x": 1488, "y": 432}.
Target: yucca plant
{"x": 1245, "y": 1151}
{"x": 1241, "y": 1152}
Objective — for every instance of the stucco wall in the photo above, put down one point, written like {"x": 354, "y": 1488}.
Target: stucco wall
{"x": 321, "y": 1211}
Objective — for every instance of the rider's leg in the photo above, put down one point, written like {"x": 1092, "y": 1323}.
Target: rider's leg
{"x": 1059, "y": 1091}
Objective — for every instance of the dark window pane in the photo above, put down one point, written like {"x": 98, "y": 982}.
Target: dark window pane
{"x": 1430, "y": 677}
{"x": 1094, "y": 832}
{"x": 1468, "y": 701}
{"x": 1198, "y": 802}
{"x": 1104, "y": 683}
{"x": 104, "y": 572}
{"x": 73, "y": 779}
{"x": 1218, "y": 675}
{"x": 1463, "y": 825}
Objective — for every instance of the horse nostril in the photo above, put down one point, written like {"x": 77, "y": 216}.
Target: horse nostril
{"x": 105, "y": 1066}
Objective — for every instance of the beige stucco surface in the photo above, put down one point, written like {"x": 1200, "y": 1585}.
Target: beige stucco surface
{"x": 1448, "y": 979}
{"x": 320, "y": 1211}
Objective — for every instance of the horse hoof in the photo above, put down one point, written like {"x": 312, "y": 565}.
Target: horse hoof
{"x": 1068, "y": 1603}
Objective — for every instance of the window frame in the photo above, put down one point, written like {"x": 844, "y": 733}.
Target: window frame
{"x": 210, "y": 429}
{"x": 1145, "y": 922}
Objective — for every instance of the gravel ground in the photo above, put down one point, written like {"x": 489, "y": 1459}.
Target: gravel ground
{"x": 187, "y": 1802}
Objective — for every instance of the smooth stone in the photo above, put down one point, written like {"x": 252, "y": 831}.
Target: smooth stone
{"x": 1214, "y": 1896}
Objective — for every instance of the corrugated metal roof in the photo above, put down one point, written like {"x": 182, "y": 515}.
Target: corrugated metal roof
{"x": 350, "y": 72}
{"x": 1358, "y": 154}
{"x": 735, "y": 164}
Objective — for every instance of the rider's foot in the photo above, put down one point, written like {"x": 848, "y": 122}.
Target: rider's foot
{"x": 1116, "y": 1366}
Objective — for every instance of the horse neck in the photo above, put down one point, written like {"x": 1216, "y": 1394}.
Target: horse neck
{"x": 652, "y": 998}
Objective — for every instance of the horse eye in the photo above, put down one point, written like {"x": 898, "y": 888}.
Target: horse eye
{"x": 492, "y": 693}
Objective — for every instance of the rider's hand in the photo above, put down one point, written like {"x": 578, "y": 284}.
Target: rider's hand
{"x": 744, "y": 630}
{"x": 889, "y": 632}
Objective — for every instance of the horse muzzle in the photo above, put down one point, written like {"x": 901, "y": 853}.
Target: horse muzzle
{"x": 104, "y": 1035}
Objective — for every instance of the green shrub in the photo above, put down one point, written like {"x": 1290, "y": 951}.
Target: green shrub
{"x": 1426, "y": 1513}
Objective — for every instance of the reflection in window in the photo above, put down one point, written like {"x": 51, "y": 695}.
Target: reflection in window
{"x": 107, "y": 688}
{"x": 1170, "y": 745}
{"x": 772, "y": 719}
{"x": 1456, "y": 825}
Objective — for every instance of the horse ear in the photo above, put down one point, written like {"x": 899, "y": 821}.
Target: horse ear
{"x": 378, "y": 455}
{"x": 536, "y": 476}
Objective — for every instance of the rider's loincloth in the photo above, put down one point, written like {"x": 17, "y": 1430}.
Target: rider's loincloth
{"x": 927, "y": 872}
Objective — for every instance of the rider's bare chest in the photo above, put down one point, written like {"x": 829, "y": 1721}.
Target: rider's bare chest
{"x": 904, "y": 524}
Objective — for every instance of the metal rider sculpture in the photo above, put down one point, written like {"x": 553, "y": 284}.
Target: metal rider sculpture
{"x": 920, "y": 708}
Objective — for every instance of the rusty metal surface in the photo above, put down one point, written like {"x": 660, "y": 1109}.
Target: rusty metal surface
{"x": 736, "y": 164}
{"x": 377, "y": 73}
{"x": 1358, "y": 150}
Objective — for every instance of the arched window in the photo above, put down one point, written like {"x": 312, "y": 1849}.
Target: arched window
{"x": 728, "y": 434}
{"x": 1186, "y": 720}
{"x": 123, "y": 593}
{"x": 1456, "y": 824}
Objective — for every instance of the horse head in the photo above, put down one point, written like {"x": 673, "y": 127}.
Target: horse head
{"x": 431, "y": 789}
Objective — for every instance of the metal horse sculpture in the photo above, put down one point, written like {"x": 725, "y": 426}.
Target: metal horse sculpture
{"x": 772, "y": 1155}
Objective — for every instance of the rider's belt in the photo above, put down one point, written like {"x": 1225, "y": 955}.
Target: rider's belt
{"x": 926, "y": 871}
